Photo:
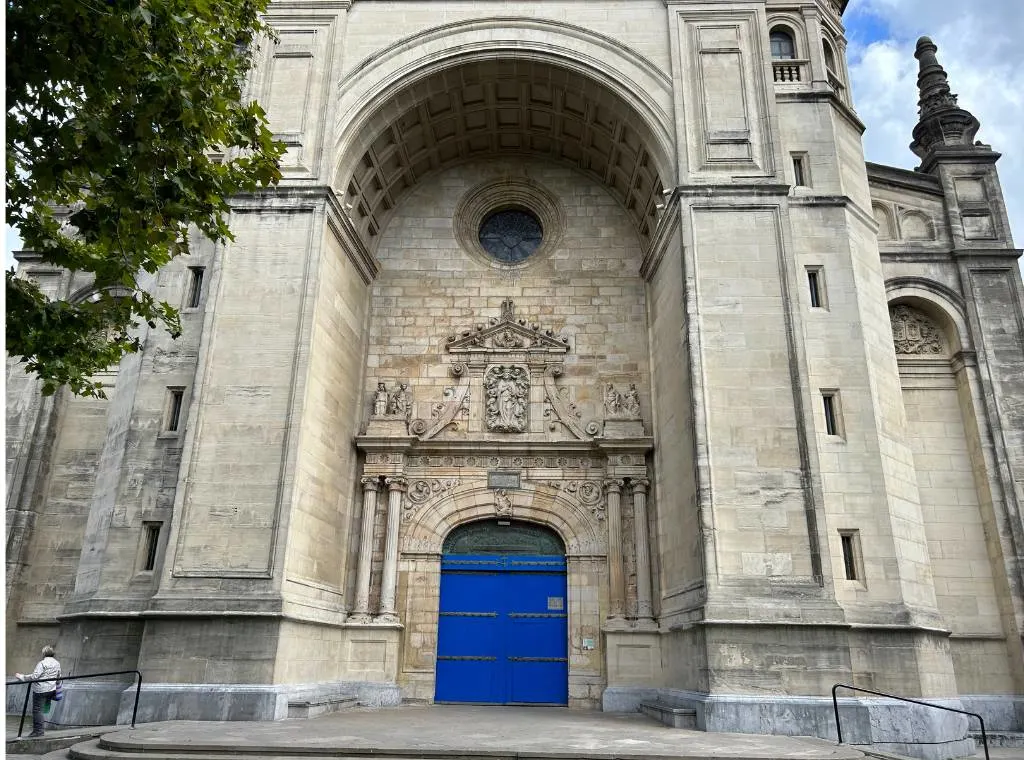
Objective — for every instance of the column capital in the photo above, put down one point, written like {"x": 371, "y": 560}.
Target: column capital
{"x": 639, "y": 485}
{"x": 396, "y": 484}
{"x": 613, "y": 485}
{"x": 370, "y": 483}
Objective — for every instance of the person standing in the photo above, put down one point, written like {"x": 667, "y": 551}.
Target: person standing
{"x": 42, "y": 693}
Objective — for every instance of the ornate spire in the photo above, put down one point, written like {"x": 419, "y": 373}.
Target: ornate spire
{"x": 941, "y": 122}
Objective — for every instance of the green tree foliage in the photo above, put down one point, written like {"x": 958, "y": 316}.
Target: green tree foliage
{"x": 119, "y": 113}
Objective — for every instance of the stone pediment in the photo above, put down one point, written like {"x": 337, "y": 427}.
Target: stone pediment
{"x": 506, "y": 334}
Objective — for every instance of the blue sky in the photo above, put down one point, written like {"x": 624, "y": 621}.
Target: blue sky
{"x": 981, "y": 45}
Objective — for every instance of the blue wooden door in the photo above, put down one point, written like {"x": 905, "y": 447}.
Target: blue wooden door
{"x": 503, "y": 630}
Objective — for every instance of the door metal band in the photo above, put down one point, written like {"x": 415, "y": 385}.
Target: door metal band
{"x": 469, "y": 614}
{"x": 539, "y": 659}
{"x": 453, "y": 657}
{"x": 536, "y": 614}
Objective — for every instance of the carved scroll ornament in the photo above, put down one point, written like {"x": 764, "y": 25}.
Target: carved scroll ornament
{"x": 453, "y": 405}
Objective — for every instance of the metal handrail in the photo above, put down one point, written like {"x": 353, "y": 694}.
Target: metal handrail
{"x": 28, "y": 692}
{"x": 839, "y": 727}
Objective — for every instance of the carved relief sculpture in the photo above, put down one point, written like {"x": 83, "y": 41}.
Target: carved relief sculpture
{"x": 631, "y": 402}
{"x": 913, "y": 332}
{"x": 400, "y": 402}
{"x": 380, "y": 400}
{"x": 502, "y": 504}
{"x": 622, "y": 406}
{"x": 507, "y": 392}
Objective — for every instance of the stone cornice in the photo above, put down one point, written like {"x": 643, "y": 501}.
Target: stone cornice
{"x": 903, "y": 179}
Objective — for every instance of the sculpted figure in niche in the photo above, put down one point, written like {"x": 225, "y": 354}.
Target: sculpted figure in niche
{"x": 631, "y": 402}
{"x": 622, "y": 406}
{"x": 506, "y": 389}
{"x": 380, "y": 400}
{"x": 612, "y": 400}
{"x": 400, "y": 403}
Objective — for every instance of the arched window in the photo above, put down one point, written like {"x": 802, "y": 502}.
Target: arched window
{"x": 783, "y": 47}
{"x": 830, "y": 57}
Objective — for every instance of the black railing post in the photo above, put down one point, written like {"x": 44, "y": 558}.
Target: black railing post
{"x": 138, "y": 688}
{"x": 835, "y": 706}
{"x": 24, "y": 707}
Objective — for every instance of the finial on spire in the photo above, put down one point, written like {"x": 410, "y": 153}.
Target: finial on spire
{"x": 941, "y": 122}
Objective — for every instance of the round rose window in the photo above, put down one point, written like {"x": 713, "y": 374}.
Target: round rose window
{"x": 511, "y": 235}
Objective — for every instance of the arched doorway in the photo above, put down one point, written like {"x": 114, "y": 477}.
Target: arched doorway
{"x": 503, "y": 618}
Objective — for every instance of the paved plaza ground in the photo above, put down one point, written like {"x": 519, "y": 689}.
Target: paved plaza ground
{"x": 496, "y": 732}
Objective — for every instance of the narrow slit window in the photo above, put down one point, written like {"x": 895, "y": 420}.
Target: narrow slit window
{"x": 195, "y": 287}
{"x": 799, "y": 172}
{"x": 151, "y": 538}
{"x": 815, "y": 287}
{"x": 850, "y": 558}
{"x": 831, "y": 408}
{"x": 173, "y": 416}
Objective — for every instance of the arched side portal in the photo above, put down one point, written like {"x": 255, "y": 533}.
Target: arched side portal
{"x": 503, "y": 621}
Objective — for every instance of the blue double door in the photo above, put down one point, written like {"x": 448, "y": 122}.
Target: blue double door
{"x": 503, "y": 630}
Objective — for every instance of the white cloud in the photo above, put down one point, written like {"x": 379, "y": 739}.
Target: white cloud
{"x": 981, "y": 46}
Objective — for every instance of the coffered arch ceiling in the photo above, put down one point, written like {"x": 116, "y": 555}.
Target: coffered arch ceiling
{"x": 498, "y": 107}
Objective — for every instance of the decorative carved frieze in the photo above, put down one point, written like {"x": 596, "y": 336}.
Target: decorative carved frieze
{"x": 482, "y": 462}
{"x": 914, "y": 333}
{"x": 507, "y": 394}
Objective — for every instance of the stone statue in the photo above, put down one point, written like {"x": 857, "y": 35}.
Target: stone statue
{"x": 400, "y": 403}
{"x": 507, "y": 395}
{"x": 631, "y": 403}
{"x": 380, "y": 400}
{"x": 502, "y": 504}
{"x": 612, "y": 400}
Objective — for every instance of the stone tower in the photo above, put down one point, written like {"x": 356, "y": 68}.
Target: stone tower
{"x": 616, "y": 271}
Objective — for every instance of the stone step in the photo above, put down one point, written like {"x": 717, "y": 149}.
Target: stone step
{"x": 54, "y": 740}
{"x": 671, "y": 715}
{"x": 1000, "y": 738}
{"x": 311, "y": 708}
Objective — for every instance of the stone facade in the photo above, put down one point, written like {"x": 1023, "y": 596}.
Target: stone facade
{"x": 769, "y": 396}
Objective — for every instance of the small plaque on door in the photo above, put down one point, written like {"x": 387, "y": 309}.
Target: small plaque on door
{"x": 556, "y": 603}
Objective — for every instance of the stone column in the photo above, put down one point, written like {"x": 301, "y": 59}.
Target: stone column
{"x": 389, "y": 577}
{"x": 361, "y": 612}
{"x": 639, "y": 487}
{"x": 616, "y": 575}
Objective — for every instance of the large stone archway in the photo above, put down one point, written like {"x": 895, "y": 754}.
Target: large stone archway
{"x": 425, "y": 159}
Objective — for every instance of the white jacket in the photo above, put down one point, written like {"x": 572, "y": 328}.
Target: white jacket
{"x": 48, "y": 667}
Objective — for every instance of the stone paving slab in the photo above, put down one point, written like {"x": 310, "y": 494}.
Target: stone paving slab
{"x": 468, "y": 732}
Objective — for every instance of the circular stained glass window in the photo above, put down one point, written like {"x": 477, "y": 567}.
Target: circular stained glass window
{"x": 511, "y": 235}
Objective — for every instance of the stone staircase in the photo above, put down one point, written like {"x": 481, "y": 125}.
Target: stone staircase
{"x": 674, "y": 716}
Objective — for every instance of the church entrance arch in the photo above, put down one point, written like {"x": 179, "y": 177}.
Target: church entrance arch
{"x": 503, "y": 617}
